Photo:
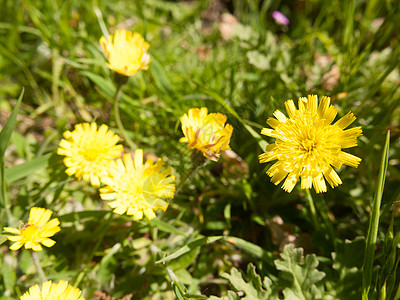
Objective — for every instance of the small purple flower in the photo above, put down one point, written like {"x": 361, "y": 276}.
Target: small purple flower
{"x": 280, "y": 18}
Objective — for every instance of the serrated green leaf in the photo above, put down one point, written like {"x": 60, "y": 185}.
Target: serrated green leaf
{"x": 252, "y": 286}
{"x": 299, "y": 277}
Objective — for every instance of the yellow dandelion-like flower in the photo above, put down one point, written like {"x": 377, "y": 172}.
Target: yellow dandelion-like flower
{"x": 206, "y": 132}
{"x": 307, "y": 144}
{"x": 89, "y": 151}
{"x": 37, "y": 231}
{"x": 53, "y": 291}
{"x": 126, "y": 53}
{"x": 137, "y": 188}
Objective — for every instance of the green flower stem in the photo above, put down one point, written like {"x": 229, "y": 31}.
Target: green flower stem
{"x": 313, "y": 211}
{"x": 38, "y": 266}
{"x": 121, "y": 127}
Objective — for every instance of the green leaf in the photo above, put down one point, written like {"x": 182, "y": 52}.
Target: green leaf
{"x": 104, "y": 84}
{"x": 166, "y": 227}
{"x": 9, "y": 276}
{"x": 250, "y": 248}
{"x": 189, "y": 247}
{"x": 3, "y": 238}
{"x": 8, "y": 128}
{"x": 259, "y": 60}
{"x": 252, "y": 287}
{"x": 347, "y": 262}
{"x": 160, "y": 77}
{"x": 20, "y": 171}
{"x": 374, "y": 222}
{"x": 299, "y": 276}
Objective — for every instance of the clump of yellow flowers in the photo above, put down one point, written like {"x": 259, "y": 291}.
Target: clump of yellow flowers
{"x": 126, "y": 52}
{"x": 307, "y": 145}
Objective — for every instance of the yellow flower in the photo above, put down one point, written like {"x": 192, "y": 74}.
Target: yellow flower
{"x": 89, "y": 151}
{"x": 206, "y": 132}
{"x": 126, "y": 53}
{"x": 53, "y": 291}
{"x": 137, "y": 188}
{"x": 307, "y": 144}
{"x": 36, "y": 232}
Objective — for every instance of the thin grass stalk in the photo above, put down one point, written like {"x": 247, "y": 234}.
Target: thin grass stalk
{"x": 367, "y": 268}
{"x": 38, "y": 266}
{"x": 5, "y": 135}
{"x": 313, "y": 211}
{"x": 348, "y": 44}
{"x": 120, "y": 125}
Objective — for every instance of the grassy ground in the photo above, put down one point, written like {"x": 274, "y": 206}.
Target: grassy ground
{"x": 226, "y": 229}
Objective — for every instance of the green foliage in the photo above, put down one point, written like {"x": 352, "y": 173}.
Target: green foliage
{"x": 225, "y": 233}
{"x": 253, "y": 287}
{"x": 298, "y": 279}
{"x": 300, "y": 276}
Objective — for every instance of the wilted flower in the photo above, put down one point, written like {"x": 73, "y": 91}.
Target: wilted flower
{"x": 206, "y": 132}
{"x": 280, "y": 18}
{"x": 126, "y": 53}
{"x": 53, "y": 291}
{"x": 307, "y": 144}
{"x": 138, "y": 188}
{"x": 89, "y": 151}
{"x": 37, "y": 231}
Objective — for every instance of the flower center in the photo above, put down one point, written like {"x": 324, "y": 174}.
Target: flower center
{"x": 30, "y": 231}
{"x": 308, "y": 145}
{"x": 90, "y": 154}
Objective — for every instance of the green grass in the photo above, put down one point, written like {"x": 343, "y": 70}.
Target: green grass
{"x": 220, "y": 233}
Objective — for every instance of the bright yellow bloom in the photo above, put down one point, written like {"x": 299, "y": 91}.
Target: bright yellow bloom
{"x": 126, "y": 53}
{"x": 137, "y": 188}
{"x": 89, "y": 151}
{"x": 206, "y": 132}
{"x": 307, "y": 144}
{"x": 37, "y": 231}
{"x": 53, "y": 291}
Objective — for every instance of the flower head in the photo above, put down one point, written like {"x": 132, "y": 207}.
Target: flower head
{"x": 206, "y": 132}
{"x": 53, "y": 291}
{"x": 307, "y": 144}
{"x": 89, "y": 151}
{"x": 138, "y": 188}
{"x": 126, "y": 53}
{"x": 280, "y": 18}
{"x": 37, "y": 231}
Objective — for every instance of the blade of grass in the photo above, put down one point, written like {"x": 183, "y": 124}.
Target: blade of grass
{"x": 20, "y": 171}
{"x": 374, "y": 223}
{"x": 5, "y": 136}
